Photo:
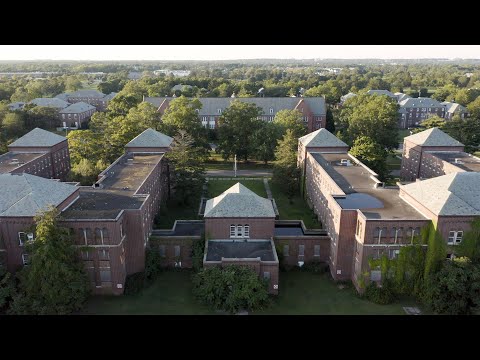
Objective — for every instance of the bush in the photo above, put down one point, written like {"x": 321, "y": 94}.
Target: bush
{"x": 153, "y": 263}
{"x": 379, "y": 295}
{"x": 198, "y": 248}
{"x": 315, "y": 267}
{"x": 231, "y": 289}
{"x": 134, "y": 283}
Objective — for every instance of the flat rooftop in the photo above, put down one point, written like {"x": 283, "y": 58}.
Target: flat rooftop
{"x": 101, "y": 204}
{"x": 466, "y": 161}
{"x": 8, "y": 164}
{"x": 127, "y": 175}
{"x": 240, "y": 250}
{"x": 356, "y": 182}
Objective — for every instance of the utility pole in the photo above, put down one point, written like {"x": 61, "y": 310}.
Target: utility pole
{"x": 235, "y": 165}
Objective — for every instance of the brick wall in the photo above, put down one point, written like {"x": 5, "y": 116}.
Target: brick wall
{"x": 219, "y": 228}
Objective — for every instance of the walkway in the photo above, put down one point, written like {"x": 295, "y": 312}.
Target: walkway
{"x": 240, "y": 173}
{"x": 267, "y": 188}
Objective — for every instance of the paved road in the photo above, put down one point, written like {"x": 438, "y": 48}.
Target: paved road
{"x": 240, "y": 173}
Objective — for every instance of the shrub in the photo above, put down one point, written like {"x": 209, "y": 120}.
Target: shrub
{"x": 315, "y": 267}
{"x": 134, "y": 283}
{"x": 198, "y": 248}
{"x": 379, "y": 295}
{"x": 231, "y": 288}
{"x": 153, "y": 262}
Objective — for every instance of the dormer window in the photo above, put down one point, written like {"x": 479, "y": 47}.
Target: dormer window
{"x": 219, "y": 111}
{"x": 271, "y": 110}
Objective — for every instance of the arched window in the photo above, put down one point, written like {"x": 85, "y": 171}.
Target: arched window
{"x": 271, "y": 110}
{"x": 246, "y": 231}
{"x": 239, "y": 231}
{"x": 98, "y": 236}
{"x": 89, "y": 237}
{"x": 106, "y": 236}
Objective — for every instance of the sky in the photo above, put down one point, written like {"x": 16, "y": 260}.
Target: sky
{"x": 227, "y": 52}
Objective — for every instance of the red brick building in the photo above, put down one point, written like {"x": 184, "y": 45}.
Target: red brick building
{"x": 77, "y": 115}
{"x": 312, "y": 108}
{"x": 39, "y": 153}
{"x": 111, "y": 221}
{"x": 366, "y": 219}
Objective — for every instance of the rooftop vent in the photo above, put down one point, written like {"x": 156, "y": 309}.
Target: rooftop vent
{"x": 458, "y": 161}
{"x": 345, "y": 162}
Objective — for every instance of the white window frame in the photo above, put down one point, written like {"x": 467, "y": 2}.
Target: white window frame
{"x": 233, "y": 231}
{"x": 219, "y": 111}
{"x": 25, "y": 262}
{"x": 455, "y": 236}
{"x": 315, "y": 248}
{"x": 246, "y": 231}
{"x": 239, "y": 232}
{"x": 20, "y": 241}
{"x": 271, "y": 110}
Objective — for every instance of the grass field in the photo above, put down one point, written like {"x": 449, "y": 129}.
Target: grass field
{"x": 393, "y": 163}
{"x": 301, "y": 293}
{"x": 296, "y": 210}
{"x": 216, "y": 187}
{"x": 216, "y": 162}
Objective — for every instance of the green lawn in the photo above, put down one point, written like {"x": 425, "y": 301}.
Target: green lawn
{"x": 216, "y": 187}
{"x": 172, "y": 211}
{"x": 297, "y": 210}
{"x": 216, "y": 162}
{"x": 393, "y": 163}
{"x": 300, "y": 293}
{"x": 402, "y": 133}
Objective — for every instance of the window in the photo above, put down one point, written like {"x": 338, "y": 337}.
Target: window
{"x": 450, "y": 256}
{"x": 246, "y": 231}
{"x": 239, "y": 231}
{"x": 271, "y": 110}
{"x": 219, "y": 111}
{"x": 105, "y": 235}
{"x": 25, "y": 259}
{"x": 211, "y": 125}
{"x": 121, "y": 229}
{"x": 22, "y": 237}
{"x": 161, "y": 250}
{"x": 232, "y": 231}
{"x": 105, "y": 275}
{"x": 316, "y": 250}
{"x": 266, "y": 275}
{"x": 98, "y": 236}
{"x": 301, "y": 250}
{"x": 455, "y": 237}
{"x": 177, "y": 250}
{"x": 286, "y": 250}
{"x": 394, "y": 254}
{"x": 86, "y": 255}
{"x": 88, "y": 236}
{"x": 104, "y": 254}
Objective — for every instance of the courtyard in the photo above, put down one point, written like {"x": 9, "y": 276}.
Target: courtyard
{"x": 301, "y": 293}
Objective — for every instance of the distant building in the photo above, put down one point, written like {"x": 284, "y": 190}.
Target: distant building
{"x": 312, "y": 108}
{"x": 92, "y": 97}
{"x": 134, "y": 75}
{"x": 39, "y": 152}
{"x": 177, "y": 73}
{"x": 346, "y": 97}
{"x": 50, "y": 102}
{"x": 415, "y": 110}
{"x": 180, "y": 87}
{"x": 16, "y": 106}
{"x": 77, "y": 115}
{"x": 452, "y": 109}
{"x": 382, "y": 92}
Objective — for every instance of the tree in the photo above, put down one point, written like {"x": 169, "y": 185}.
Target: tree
{"x": 43, "y": 117}
{"x": 330, "y": 121}
{"x": 431, "y": 122}
{"x": 290, "y": 119}
{"x": 232, "y": 288}
{"x": 13, "y": 125}
{"x": 373, "y": 116}
{"x": 182, "y": 114}
{"x": 237, "y": 125}
{"x": 371, "y": 154}
{"x": 189, "y": 171}
{"x": 264, "y": 141}
{"x": 455, "y": 289}
{"x": 285, "y": 171}
{"x": 85, "y": 144}
{"x": 467, "y": 131}
{"x": 470, "y": 245}
{"x": 55, "y": 281}
{"x": 84, "y": 172}
{"x": 7, "y": 287}
{"x": 474, "y": 108}
{"x": 73, "y": 83}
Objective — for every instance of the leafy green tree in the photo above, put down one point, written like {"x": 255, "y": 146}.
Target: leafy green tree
{"x": 189, "y": 171}
{"x": 455, "y": 289}
{"x": 7, "y": 287}
{"x": 55, "y": 281}
{"x": 371, "y": 154}
{"x": 13, "y": 125}
{"x": 373, "y": 116}
{"x": 474, "y": 108}
{"x": 84, "y": 172}
{"x": 467, "y": 131}
{"x": 43, "y": 117}
{"x": 73, "y": 83}
{"x": 286, "y": 174}
{"x": 236, "y": 125}
{"x": 290, "y": 119}
{"x": 232, "y": 288}
{"x": 431, "y": 122}
{"x": 330, "y": 121}
{"x": 181, "y": 114}
{"x": 470, "y": 245}
{"x": 264, "y": 140}
{"x": 85, "y": 144}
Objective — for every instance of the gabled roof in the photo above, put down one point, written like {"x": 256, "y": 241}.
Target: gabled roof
{"x": 448, "y": 195}
{"x": 181, "y": 87}
{"x": 210, "y": 106}
{"x": 38, "y": 137}
{"x": 63, "y": 96}
{"x": 76, "y": 108}
{"x": 87, "y": 93}
{"x": 109, "y": 96}
{"x": 347, "y": 96}
{"x": 50, "y": 102}
{"x": 321, "y": 138}
{"x": 239, "y": 201}
{"x": 433, "y": 137}
{"x": 150, "y": 138}
{"x": 381, "y": 92}
{"x": 420, "y": 102}
{"x": 451, "y": 107}
{"x": 25, "y": 194}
